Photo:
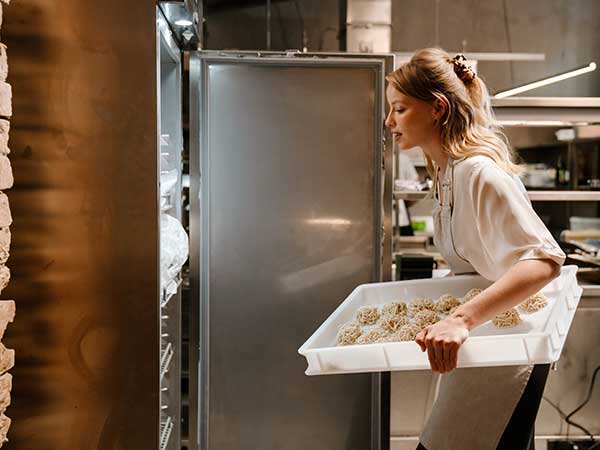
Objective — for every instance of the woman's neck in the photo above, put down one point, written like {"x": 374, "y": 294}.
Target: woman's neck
{"x": 437, "y": 155}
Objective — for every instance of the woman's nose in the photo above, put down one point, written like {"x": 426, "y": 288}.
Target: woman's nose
{"x": 388, "y": 120}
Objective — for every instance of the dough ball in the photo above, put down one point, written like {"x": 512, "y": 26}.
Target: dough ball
{"x": 507, "y": 319}
{"x": 426, "y": 317}
{"x": 348, "y": 334}
{"x": 408, "y": 332}
{"x": 367, "y": 315}
{"x": 420, "y": 304}
{"x": 446, "y": 303}
{"x": 392, "y": 323}
{"x": 372, "y": 336}
{"x": 534, "y": 303}
{"x": 471, "y": 294}
{"x": 394, "y": 309}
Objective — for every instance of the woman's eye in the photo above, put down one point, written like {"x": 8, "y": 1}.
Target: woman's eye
{"x": 399, "y": 110}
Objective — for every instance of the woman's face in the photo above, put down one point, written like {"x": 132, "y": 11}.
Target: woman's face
{"x": 410, "y": 120}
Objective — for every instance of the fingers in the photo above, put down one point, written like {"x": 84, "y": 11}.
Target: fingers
{"x": 420, "y": 339}
{"x": 450, "y": 355}
{"x": 453, "y": 356}
{"x": 442, "y": 348}
{"x": 438, "y": 347}
{"x": 442, "y": 353}
{"x": 431, "y": 354}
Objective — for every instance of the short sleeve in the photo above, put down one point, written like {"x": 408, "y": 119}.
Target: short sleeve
{"x": 509, "y": 228}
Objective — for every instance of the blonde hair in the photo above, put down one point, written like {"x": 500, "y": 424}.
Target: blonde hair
{"x": 468, "y": 127}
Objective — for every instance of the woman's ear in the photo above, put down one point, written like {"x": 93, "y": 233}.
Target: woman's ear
{"x": 440, "y": 108}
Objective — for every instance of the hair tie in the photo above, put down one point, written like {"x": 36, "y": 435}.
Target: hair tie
{"x": 464, "y": 72}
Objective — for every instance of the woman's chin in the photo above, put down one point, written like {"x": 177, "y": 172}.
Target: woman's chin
{"x": 403, "y": 145}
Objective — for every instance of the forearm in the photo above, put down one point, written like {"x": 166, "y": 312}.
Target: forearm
{"x": 524, "y": 279}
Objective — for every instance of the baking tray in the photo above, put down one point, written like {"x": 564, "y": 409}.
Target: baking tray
{"x": 538, "y": 339}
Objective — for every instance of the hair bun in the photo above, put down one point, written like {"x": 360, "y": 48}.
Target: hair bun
{"x": 464, "y": 72}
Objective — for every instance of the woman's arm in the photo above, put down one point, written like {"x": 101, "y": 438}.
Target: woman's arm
{"x": 443, "y": 339}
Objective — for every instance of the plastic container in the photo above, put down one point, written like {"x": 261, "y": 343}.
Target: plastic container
{"x": 584, "y": 223}
{"x": 538, "y": 339}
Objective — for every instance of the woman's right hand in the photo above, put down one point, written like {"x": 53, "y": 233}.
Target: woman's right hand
{"x": 442, "y": 342}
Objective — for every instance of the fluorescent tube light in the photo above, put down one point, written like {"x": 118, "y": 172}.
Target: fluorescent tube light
{"x": 183, "y": 23}
{"x": 536, "y": 84}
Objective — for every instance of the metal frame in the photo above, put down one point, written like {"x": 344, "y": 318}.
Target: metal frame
{"x": 381, "y": 383}
{"x": 197, "y": 367}
{"x": 189, "y": 37}
{"x": 169, "y": 309}
{"x": 199, "y": 357}
{"x": 565, "y": 111}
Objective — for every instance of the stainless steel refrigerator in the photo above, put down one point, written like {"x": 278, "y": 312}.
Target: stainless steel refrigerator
{"x": 289, "y": 212}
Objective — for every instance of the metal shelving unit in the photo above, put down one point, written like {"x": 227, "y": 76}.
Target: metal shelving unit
{"x": 166, "y": 429}
{"x": 538, "y": 196}
{"x": 169, "y": 165}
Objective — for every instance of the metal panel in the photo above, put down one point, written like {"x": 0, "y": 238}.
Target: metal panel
{"x": 388, "y": 144}
{"x": 84, "y": 255}
{"x": 288, "y": 222}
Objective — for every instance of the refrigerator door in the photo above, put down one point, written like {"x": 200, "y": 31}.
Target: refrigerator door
{"x": 286, "y": 219}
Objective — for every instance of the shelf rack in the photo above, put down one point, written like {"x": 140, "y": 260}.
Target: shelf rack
{"x": 549, "y": 196}
{"x": 166, "y": 428}
{"x": 165, "y": 359}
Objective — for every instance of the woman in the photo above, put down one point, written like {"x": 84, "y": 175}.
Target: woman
{"x": 484, "y": 223}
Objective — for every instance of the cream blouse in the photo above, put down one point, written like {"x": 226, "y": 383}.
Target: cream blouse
{"x": 493, "y": 223}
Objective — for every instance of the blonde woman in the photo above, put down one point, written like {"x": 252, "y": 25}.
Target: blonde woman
{"x": 484, "y": 223}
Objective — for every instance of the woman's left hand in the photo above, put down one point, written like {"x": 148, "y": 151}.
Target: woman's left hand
{"x": 442, "y": 341}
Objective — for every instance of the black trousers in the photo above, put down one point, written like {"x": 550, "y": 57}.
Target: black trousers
{"x": 519, "y": 433}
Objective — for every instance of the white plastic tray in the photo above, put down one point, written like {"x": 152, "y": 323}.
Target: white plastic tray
{"x": 538, "y": 339}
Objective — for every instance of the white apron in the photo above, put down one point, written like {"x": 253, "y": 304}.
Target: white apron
{"x": 474, "y": 405}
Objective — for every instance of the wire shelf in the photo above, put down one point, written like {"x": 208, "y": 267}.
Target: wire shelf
{"x": 166, "y": 428}
{"x": 165, "y": 359}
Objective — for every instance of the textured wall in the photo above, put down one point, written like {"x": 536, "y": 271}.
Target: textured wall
{"x": 7, "y": 307}
{"x": 84, "y": 255}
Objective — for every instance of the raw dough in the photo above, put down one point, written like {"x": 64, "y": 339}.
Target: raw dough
{"x": 446, "y": 303}
{"x": 426, "y": 317}
{"x": 408, "y": 332}
{"x": 393, "y": 309}
{"x": 534, "y": 303}
{"x": 348, "y": 334}
{"x": 392, "y": 323}
{"x": 507, "y": 319}
{"x": 472, "y": 293}
{"x": 367, "y": 315}
{"x": 372, "y": 336}
{"x": 420, "y": 304}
